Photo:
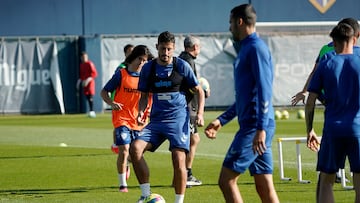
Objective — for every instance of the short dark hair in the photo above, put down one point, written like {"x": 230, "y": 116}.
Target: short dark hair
{"x": 246, "y": 12}
{"x": 353, "y": 23}
{"x": 166, "y": 37}
{"x": 139, "y": 50}
{"x": 342, "y": 32}
{"x": 128, "y": 46}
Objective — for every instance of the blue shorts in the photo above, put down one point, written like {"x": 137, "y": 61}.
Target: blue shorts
{"x": 240, "y": 155}
{"x": 176, "y": 131}
{"x": 123, "y": 135}
{"x": 333, "y": 152}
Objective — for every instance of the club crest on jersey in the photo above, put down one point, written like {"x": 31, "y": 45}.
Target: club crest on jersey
{"x": 322, "y": 5}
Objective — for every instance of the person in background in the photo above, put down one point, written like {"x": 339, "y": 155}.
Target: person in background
{"x": 124, "y": 107}
{"x": 251, "y": 147}
{"x": 127, "y": 51}
{"x": 325, "y": 52}
{"x": 337, "y": 78}
{"x": 192, "y": 50}
{"x": 88, "y": 74}
{"x": 166, "y": 78}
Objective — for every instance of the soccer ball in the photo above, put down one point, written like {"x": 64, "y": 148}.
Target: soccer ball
{"x": 301, "y": 114}
{"x": 154, "y": 198}
{"x": 285, "y": 115}
{"x": 92, "y": 114}
{"x": 204, "y": 84}
{"x": 278, "y": 115}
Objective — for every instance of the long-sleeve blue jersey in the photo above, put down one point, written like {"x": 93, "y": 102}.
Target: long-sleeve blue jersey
{"x": 253, "y": 76}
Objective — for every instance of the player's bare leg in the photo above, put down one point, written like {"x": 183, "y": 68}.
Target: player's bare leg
{"x": 194, "y": 141}
{"x": 121, "y": 166}
{"x": 325, "y": 187}
{"x": 265, "y": 188}
{"x": 122, "y": 158}
{"x": 356, "y": 181}
{"x": 178, "y": 158}
{"x": 137, "y": 149}
{"x": 228, "y": 185}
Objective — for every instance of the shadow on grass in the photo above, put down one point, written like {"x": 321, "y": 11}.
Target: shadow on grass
{"x": 67, "y": 190}
{"x": 50, "y": 156}
{"x": 52, "y": 191}
{"x": 75, "y": 190}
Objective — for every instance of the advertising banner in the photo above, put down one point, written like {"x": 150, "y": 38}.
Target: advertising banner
{"x": 29, "y": 77}
{"x": 214, "y": 62}
{"x": 293, "y": 58}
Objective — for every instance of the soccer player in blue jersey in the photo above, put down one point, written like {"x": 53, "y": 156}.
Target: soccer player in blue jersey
{"x": 167, "y": 78}
{"x": 251, "y": 147}
{"x": 338, "y": 79}
{"x": 326, "y": 52}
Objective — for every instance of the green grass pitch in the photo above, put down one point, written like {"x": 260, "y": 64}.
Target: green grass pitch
{"x": 35, "y": 168}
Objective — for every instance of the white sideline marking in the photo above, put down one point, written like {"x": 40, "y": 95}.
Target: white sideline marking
{"x": 289, "y": 164}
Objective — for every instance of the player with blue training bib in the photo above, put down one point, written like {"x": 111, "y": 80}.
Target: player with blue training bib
{"x": 168, "y": 80}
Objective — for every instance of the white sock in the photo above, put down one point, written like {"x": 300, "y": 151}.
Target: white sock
{"x": 338, "y": 174}
{"x": 179, "y": 198}
{"x": 122, "y": 179}
{"x": 145, "y": 189}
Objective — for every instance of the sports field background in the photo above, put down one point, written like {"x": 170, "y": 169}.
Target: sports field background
{"x": 35, "y": 168}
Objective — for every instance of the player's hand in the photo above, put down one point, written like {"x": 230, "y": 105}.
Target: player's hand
{"x": 300, "y": 96}
{"x": 200, "y": 120}
{"x": 313, "y": 142}
{"x": 116, "y": 106}
{"x": 212, "y": 128}
{"x": 207, "y": 93}
{"x": 141, "y": 118}
{"x": 259, "y": 145}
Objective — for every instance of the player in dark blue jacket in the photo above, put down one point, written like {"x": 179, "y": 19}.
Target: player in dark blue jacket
{"x": 251, "y": 147}
{"x": 167, "y": 79}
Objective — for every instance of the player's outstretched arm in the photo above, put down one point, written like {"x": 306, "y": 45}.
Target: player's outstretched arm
{"x": 300, "y": 96}
{"x": 215, "y": 125}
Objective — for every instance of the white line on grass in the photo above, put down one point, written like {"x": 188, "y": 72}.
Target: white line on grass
{"x": 288, "y": 164}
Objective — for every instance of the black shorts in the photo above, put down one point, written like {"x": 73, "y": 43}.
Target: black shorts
{"x": 193, "y": 126}
{"x": 193, "y": 109}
